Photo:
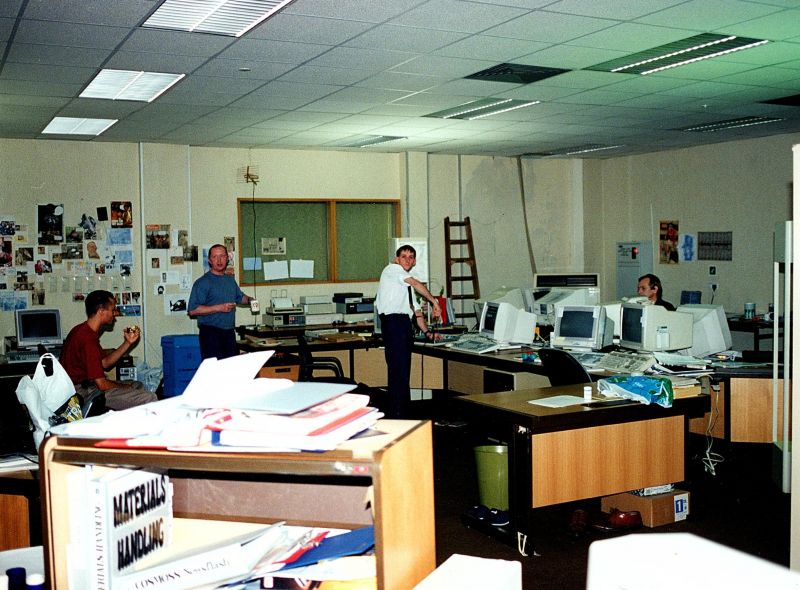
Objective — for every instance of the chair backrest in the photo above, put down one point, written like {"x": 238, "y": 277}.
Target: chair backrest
{"x": 562, "y": 368}
{"x": 691, "y": 297}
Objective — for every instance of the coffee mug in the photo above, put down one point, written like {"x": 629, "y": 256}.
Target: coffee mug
{"x": 749, "y": 311}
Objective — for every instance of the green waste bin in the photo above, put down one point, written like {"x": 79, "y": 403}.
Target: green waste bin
{"x": 492, "y": 463}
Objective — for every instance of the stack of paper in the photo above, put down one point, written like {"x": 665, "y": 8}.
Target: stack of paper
{"x": 321, "y": 427}
{"x": 226, "y": 408}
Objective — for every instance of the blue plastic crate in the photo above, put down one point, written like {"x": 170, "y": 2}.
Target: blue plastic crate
{"x": 181, "y": 357}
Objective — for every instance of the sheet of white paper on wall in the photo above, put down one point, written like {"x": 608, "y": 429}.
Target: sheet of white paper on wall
{"x": 249, "y": 263}
{"x": 301, "y": 269}
{"x": 277, "y": 270}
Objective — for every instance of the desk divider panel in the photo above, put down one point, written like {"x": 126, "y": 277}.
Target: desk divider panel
{"x": 601, "y": 460}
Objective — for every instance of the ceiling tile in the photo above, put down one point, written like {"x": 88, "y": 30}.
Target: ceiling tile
{"x": 54, "y": 55}
{"x": 549, "y": 27}
{"x": 372, "y": 60}
{"x": 612, "y": 8}
{"x": 455, "y": 15}
{"x": 70, "y": 34}
{"x": 320, "y": 75}
{"x": 499, "y": 49}
{"x": 308, "y": 29}
{"x": 404, "y": 38}
{"x": 359, "y": 10}
{"x": 570, "y": 57}
{"x": 708, "y": 15}
{"x": 435, "y": 65}
{"x": 96, "y": 12}
{"x": 274, "y": 51}
{"x": 400, "y": 81}
{"x": 631, "y": 37}
{"x": 47, "y": 73}
{"x": 154, "y": 62}
{"x": 232, "y": 68}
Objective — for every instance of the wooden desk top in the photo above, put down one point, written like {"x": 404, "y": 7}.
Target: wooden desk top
{"x": 514, "y": 406}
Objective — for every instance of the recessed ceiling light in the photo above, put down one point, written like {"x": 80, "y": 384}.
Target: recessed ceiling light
{"x": 77, "y": 126}
{"x": 130, "y": 85}
{"x": 678, "y": 53}
{"x": 221, "y": 17}
{"x": 484, "y": 107}
{"x": 730, "y": 124}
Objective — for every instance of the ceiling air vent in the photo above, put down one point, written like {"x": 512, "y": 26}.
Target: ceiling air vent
{"x": 515, "y": 73}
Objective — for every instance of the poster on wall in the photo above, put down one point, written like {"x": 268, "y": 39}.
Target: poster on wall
{"x": 121, "y": 214}
{"x": 157, "y": 236}
{"x": 50, "y": 224}
{"x": 688, "y": 248}
{"x": 668, "y": 242}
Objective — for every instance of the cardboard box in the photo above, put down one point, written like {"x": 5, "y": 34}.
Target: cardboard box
{"x": 656, "y": 510}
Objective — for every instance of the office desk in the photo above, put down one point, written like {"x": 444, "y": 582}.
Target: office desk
{"x": 490, "y": 369}
{"x": 558, "y": 455}
{"x": 760, "y": 329}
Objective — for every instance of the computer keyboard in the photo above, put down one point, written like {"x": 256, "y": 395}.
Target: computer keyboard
{"x": 626, "y": 362}
{"x": 588, "y": 359}
{"x": 474, "y": 343}
{"x": 22, "y": 356}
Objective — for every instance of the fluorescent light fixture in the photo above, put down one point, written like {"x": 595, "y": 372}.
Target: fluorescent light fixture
{"x": 573, "y": 150}
{"x": 130, "y": 85}
{"x": 730, "y": 124}
{"x": 368, "y": 140}
{"x": 678, "y": 53}
{"x": 485, "y": 107}
{"x": 221, "y": 17}
{"x": 77, "y": 126}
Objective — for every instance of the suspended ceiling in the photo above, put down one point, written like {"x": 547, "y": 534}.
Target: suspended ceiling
{"x": 323, "y": 74}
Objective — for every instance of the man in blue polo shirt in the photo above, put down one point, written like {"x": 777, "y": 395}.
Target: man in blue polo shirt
{"x": 213, "y": 302}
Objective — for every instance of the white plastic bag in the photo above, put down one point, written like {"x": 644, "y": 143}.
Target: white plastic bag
{"x": 55, "y": 389}
{"x": 44, "y": 394}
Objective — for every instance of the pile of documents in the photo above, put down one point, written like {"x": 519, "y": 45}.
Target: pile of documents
{"x": 226, "y": 408}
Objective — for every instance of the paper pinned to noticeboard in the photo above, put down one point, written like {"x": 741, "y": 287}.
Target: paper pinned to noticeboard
{"x": 301, "y": 269}
{"x": 277, "y": 270}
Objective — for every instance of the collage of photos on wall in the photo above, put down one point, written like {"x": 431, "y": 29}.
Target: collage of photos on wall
{"x": 76, "y": 252}
{"x": 72, "y": 252}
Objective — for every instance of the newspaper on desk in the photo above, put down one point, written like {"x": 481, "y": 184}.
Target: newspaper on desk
{"x": 217, "y": 385}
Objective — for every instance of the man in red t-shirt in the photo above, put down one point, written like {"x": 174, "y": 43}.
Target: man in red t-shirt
{"x": 86, "y": 362}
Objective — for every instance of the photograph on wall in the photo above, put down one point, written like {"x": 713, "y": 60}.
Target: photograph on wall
{"x": 6, "y": 252}
{"x": 174, "y": 304}
{"x": 74, "y": 235}
{"x": 21, "y": 233}
{"x": 91, "y": 250}
{"x": 121, "y": 214}
{"x": 43, "y": 266}
{"x": 230, "y": 243}
{"x": 89, "y": 226}
{"x": 190, "y": 254}
{"x": 157, "y": 236}
{"x": 50, "y": 224}
{"x": 668, "y": 242}
{"x": 71, "y": 251}
{"x": 183, "y": 238}
{"x": 9, "y": 301}
{"x": 273, "y": 246}
{"x": 38, "y": 297}
{"x": 23, "y": 256}
{"x": 7, "y": 225}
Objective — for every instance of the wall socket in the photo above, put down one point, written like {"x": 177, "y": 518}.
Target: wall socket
{"x": 713, "y": 286}
{"x": 712, "y": 271}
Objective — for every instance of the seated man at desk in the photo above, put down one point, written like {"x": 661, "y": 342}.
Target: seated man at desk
{"x": 650, "y": 287}
{"x": 86, "y": 362}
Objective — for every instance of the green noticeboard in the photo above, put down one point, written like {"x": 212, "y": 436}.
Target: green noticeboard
{"x": 342, "y": 240}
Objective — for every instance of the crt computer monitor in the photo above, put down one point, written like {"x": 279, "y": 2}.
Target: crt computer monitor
{"x": 38, "y": 326}
{"x": 504, "y": 323}
{"x": 582, "y": 327}
{"x": 651, "y": 328}
{"x": 710, "y": 332}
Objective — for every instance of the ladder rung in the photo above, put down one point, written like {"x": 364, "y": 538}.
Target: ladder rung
{"x": 458, "y": 242}
{"x": 462, "y": 297}
{"x": 469, "y": 278}
{"x": 458, "y": 223}
{"x": 462, "y": 260}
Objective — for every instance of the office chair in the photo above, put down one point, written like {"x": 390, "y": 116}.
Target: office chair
{"x": 310, "y": 364}
{"x": 562, "y": 368}
{"x": 691, "y": 297}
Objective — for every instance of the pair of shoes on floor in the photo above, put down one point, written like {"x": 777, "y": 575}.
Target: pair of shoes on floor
{"x": 617, "y": 520}
{"x": 491, "y": 516}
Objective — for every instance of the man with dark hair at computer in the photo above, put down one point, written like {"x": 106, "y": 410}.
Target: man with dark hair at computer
{"x": 650, "y": 287}
{"x": 396, "y": 307}
{"x": 86, "y": 362}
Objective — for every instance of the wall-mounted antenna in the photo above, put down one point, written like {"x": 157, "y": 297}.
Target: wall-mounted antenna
{"x": 247, "y": 174}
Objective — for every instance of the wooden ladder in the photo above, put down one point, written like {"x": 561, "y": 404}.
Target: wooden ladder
{"x": 459, "y": 234}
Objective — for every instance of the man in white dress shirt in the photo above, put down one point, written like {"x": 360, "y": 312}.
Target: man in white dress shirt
{"x": 397, "y": 308}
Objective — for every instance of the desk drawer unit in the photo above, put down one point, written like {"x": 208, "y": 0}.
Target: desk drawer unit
{"x": 181, "y": 357}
